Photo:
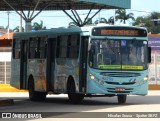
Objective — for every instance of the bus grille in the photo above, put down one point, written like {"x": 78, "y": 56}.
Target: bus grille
{"x": 113, "y": 90}
{"x": 120, "y": 74}
{"x": 117, "y": 83}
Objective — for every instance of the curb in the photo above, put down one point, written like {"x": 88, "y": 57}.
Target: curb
{"x": 6, "y": 102}
{"x": 154, "y": 87}
{"x": 9, "y": 88}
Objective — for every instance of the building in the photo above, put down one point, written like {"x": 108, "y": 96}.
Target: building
{"x": 154, "y": 67}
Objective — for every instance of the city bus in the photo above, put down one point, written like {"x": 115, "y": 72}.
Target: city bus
{"x": 90, "y": 61}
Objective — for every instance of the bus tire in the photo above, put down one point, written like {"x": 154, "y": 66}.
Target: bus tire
{"x": 74, "y": 98}
{"x": 33, "y": 95}
{"x": 122, "y": 99}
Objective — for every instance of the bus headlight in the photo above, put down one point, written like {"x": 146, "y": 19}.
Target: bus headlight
{"x": 92, "y": 76}
{"x": 142, "y": 81}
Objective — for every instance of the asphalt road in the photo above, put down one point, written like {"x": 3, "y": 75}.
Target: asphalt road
{"x": 90, "y": 106}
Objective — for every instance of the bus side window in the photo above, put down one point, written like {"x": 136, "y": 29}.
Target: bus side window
{"x": 16, "y": 49}
{"x": 43, "y": 47}
{"x": 62, "y": 46}
{"x": 33, "y": 50}
{"x": 73, "y": 46}
{"x": 58, "y": 47}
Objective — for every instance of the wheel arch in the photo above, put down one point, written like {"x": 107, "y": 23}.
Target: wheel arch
{"x": 30, "y": 79}
{"x": 70, "y": 80}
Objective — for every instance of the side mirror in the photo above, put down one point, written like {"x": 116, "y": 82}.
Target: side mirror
{"x": 149, "y": 54}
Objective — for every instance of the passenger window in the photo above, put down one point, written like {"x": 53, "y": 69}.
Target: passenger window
{"x": 73, "y": 46}
{"x": 33, "y": 50}
{"x": 62, "y": 47}
{"x": 16, "y": 48}
{"x": 43, "y": 47}
{"x": 68, "y": 46}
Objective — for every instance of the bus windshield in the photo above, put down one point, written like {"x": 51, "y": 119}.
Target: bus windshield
{"x": 118, "y": 54}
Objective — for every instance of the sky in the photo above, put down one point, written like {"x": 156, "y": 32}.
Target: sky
{"x": 54, "y": 19}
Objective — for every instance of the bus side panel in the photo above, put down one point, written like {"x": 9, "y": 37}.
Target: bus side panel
{"x": 67, "y": 63}
{"x": 15, "y": 63}
{"x": 66, "y": 68}
{"x": 15, "y": 73}
{"x": 60, "y": 76}
{"x": 37, "y": 69}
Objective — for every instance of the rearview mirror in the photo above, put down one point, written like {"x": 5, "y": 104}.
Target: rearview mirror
{"x": 149, "y": 54}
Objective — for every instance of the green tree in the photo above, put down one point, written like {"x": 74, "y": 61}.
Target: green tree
{"x": 148, "y": 22}
{"x": 73, "y": 24}
{"x": 38, "y": 26}
{"x": 143, "y": 21}
{"x": 111, "y": 20}
{"x": 16, "y": 29}
{"x": 102, "y": 20}
{"x": 123, "y": 16}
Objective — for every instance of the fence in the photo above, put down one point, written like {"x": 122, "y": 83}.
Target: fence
{"x": 5, "y": 65}
{"x": 154, "y": 69}
{"x": 5, "y": 72}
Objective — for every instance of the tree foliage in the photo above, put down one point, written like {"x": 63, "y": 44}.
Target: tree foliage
{"x": 16, "y": 29}
{"x": 102, "y": 20}
{"x": 148, "y": 22}
{"x": 38, "y": 26}
{"x": 123, "y": 16}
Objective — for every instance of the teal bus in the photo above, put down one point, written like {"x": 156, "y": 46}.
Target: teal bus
{"x": 82, "y": 62}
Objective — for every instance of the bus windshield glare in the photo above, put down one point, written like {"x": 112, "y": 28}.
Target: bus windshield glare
{"x": 118, "y": 54}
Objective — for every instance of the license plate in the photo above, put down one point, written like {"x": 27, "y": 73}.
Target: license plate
{"x": 119, "y": 89}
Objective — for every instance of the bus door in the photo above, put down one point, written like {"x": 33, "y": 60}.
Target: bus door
{"x": 23, "y": 64}
{"x": 83, "y": 64}
{"x": 51, "y": 63}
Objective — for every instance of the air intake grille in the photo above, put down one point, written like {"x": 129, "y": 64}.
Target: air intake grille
{"x": 117, "y": 83}
{"x": 120, "y": 74}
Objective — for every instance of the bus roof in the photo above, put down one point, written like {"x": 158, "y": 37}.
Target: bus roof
{"x": 75, "y": 29}
{"x": 47, "y": 32}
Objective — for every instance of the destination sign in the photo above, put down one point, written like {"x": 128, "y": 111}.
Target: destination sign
{"x": 119, "y": 31}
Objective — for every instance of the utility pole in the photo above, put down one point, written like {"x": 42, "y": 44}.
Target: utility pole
{"x": 8, "y": 12}
{"x": 20, "y": 27}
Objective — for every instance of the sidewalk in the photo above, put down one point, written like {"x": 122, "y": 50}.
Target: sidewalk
{"x": 25, "y": 94}
{"x": 154, "y": 92}
{"x": 8, "y": 88}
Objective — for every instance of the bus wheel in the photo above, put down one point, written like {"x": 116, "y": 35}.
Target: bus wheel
{"x": 33, "y": 95}
{"x": 72, "y": 95}
{"x": 122, "y": 98}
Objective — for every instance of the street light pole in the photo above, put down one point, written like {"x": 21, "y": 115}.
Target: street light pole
{"x": 20, "y": 28}
{"x": 8, "y": 24}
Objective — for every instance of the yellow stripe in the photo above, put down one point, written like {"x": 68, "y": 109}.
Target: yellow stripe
{"x": 9, "y": 88}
